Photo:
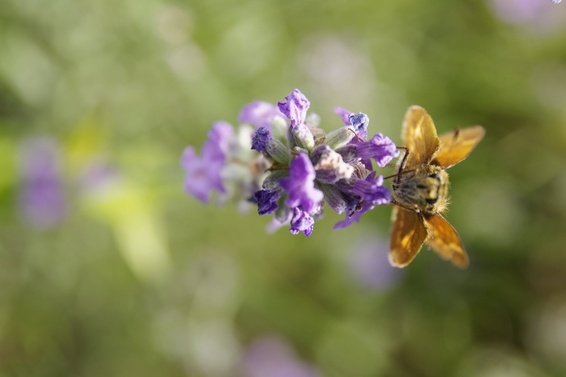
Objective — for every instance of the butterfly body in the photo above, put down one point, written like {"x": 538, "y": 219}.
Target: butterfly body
{"x": 420, "y": 189}
{"x": 423, "y": 190}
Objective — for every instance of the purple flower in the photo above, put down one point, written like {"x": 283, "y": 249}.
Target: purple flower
{"x": 371, "y": 190}
{"x": 202, "y": 175}
{"x": 42, "y": 199}
{"x": 298, "y": 166}
{"x": 271, "y": 356}
{"x": 273, "y": 149}
{"x": 260, "y": 139}
{"x": 267, "y": 201}
{"x": 380, "y": 148}
{"x": 259, "y": 114}
{"x": 217, "y": 146}
{"x": 300, "y": 185}
{"x": 351, "y": 219}
{"x": 344, "y": 114}
{"x": 360, "y": 124}
{"x": 295, "y": 108}
{"x": 301, "y": 222}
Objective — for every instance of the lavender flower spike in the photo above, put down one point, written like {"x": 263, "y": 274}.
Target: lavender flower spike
{"x": 295, "y": 108}
{"x": 291, "y": 168}
{"x": 300, "y": 185}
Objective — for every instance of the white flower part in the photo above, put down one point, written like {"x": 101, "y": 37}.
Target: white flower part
{"x": 332, "y": 162}
{"x": 245, "y": 136}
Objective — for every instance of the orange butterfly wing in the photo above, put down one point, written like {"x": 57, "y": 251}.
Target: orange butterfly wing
{"x": 455, "y": 146}
{"x": 407, "y": 237}
{"x": 419, "y": 136}
{"x": 443, "y": 238}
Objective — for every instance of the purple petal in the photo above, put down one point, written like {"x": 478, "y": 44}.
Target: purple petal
{"x": 260, "y": 139}
{"x": 259, "y": 114}
{"x": 295, "y": 108}
{"x": 372, "y": 190}
{"x": 344, "y": 114}
{"x": 217, "y": 145}
{"x": 380, "y": 148}
{"x": 202, "y": 176}
{"x": 267, "y": 201}
{"x": 372, "y": 193}
{"x": 360, "y": 124}
{"x": 350, "y": 219}
{"x": 301, "y": 222}
{"x": 300, "y": 185}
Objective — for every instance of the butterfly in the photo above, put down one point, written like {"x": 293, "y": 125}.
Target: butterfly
{"x": 420, "y": 189}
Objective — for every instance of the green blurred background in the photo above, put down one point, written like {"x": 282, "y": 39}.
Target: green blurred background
{"x": 130, "y": 276}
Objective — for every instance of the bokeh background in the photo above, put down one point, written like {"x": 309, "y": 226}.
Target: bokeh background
{"x": 108, "y": 268}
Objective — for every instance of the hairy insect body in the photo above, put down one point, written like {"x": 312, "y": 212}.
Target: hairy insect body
{"x": 424, "y": 189}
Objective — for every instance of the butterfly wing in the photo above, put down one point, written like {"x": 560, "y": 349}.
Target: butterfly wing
{"x": 407, "y": 236}
{"x": 419, "y": 136}
{"x": 455, "y": 146}
{"x": 443, "y": 238}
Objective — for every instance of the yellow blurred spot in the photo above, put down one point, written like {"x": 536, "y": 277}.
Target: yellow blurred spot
{"x": 87, "y": 140}
{"x": 7, "y": 164}
{"x": 132, "y": 214}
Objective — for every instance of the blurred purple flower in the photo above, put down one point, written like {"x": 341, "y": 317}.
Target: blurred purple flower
{"x": 203, "y": 173}
{"x": 43, "y": 202}
{"x": 218, "y": 144}
{"x": 273, "y": 357}
{"x": 370, "y": 266}
{"x": 517, "y": 11}
{"x": 259, "y": 114}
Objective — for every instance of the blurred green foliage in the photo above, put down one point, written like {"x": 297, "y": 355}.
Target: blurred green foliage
{"x": 137, "y": 278}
